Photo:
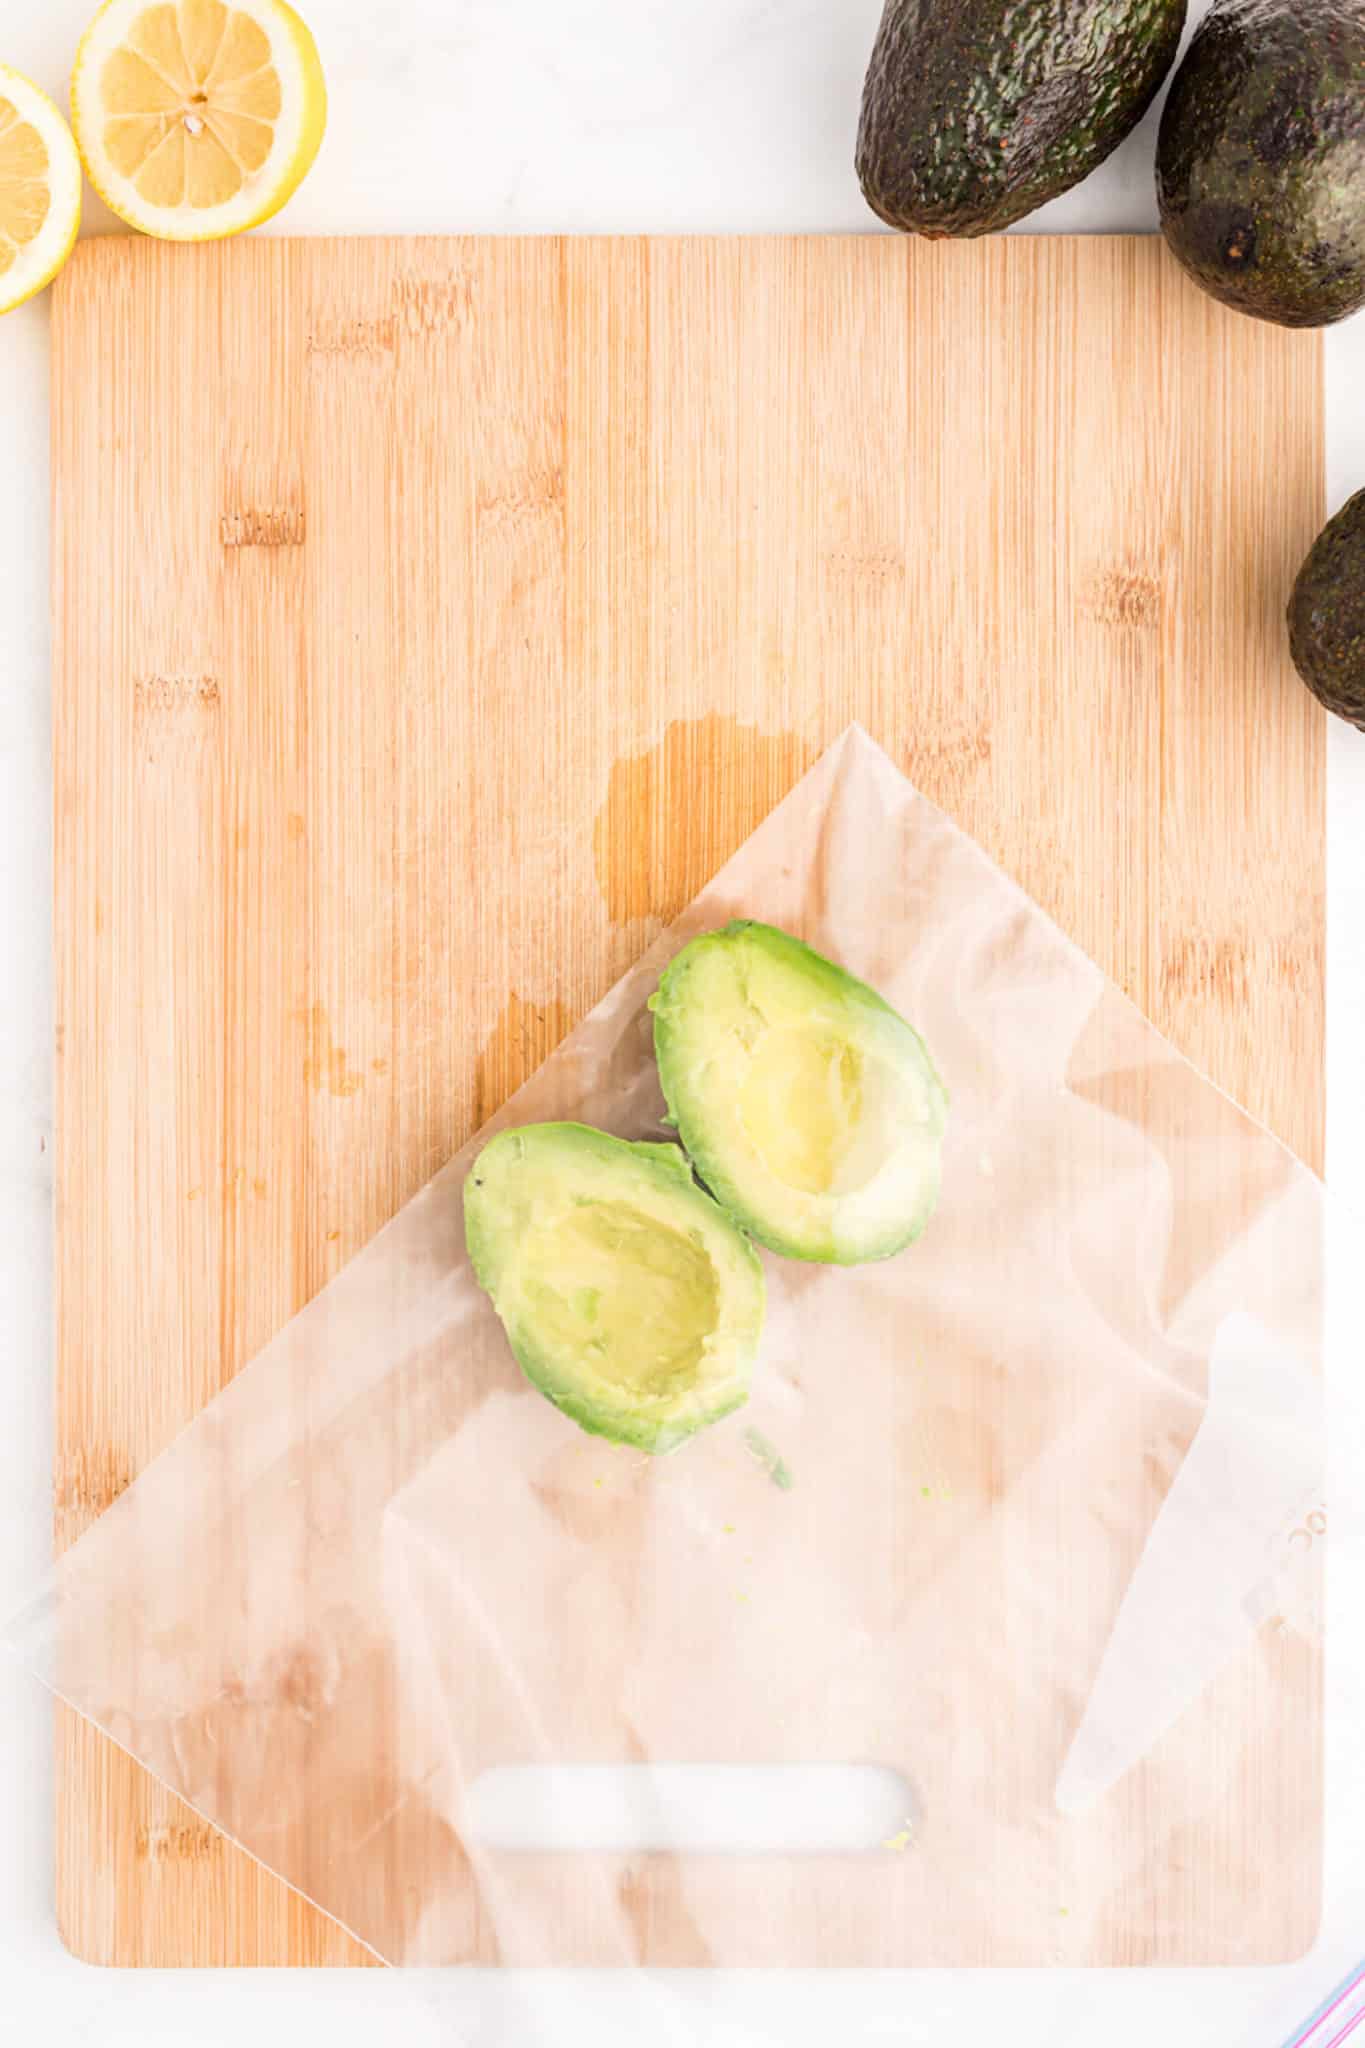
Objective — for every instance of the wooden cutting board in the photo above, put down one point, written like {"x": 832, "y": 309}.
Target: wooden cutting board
{"x": 433, "y": 617}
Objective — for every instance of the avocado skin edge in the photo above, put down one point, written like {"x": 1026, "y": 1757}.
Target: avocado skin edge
{"x": 977, "y": 111}
{"x": 1327, "y": 614}
{"x": 1261, "y": 159}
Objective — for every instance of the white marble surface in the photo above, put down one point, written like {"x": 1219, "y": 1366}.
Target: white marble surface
{"x": 543, "y": 115}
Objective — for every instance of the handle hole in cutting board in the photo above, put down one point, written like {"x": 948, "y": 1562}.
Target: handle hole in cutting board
{"x": 701, "y": 1809}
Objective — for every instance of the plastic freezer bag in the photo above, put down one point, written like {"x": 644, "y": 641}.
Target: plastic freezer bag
{"x": 1023, "y": 1525}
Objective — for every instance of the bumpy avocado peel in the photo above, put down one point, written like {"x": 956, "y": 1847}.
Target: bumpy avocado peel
{"x": 1327, "y": 614}
{"x": 1261, "y": 158}
{"x": 977, "y": 111}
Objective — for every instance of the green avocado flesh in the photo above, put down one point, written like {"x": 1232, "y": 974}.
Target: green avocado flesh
{"x": 810, "y": 1109}
{"x": 629, "y": 1298}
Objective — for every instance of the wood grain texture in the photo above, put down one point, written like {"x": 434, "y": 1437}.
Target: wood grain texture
{"x": 432, "y": 618}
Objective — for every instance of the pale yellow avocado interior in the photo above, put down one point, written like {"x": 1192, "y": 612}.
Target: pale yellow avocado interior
{"x": 810, "y": 1109}
{"x": 190, "y": 102}
{"x": 629, "y": 1297}
{"x": 632, "y": 1299}
{"x": 801, "y": 1101}
{"x": 25, "y": 195}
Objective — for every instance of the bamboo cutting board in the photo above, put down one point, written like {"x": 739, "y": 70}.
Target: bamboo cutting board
{"x": 433, "y": 617}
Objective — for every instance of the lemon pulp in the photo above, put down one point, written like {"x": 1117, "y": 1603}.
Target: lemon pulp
{"x": 40, "y": 189}
{"x": 197, "y": 118}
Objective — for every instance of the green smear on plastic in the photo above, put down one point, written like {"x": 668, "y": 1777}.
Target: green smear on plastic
{"x": 770, "y": 1458}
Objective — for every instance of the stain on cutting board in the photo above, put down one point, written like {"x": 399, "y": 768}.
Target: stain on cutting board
{"x": 675, "y": 814}
{"x": 522, "y": 1039}
{"x": 326, "y": 1067}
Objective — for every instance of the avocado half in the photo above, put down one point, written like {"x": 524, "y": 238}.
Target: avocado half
{"x": 809, "y": 1107}
{"x": 1261, "y": 158}
{"x": 629, "y": 1298}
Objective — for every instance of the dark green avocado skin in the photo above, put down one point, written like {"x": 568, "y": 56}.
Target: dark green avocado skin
{"x": 977, "y": 111}
{"x": 1327, "y": 614}
{"x": 1261, "y": 158}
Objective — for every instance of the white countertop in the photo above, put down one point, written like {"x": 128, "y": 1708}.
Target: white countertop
{"x": 487, "y": 115}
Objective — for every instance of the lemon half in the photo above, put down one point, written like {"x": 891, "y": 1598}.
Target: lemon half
{"x": 40, "y": 190}
{"x": 197, "y": 119}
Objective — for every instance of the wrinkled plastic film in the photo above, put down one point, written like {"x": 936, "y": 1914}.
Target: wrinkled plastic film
{"x": 1030, "y": 1519}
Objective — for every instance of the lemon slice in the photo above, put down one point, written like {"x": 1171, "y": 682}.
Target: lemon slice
{"x": 196, "y": 118}
{"x": 40, "y": 190}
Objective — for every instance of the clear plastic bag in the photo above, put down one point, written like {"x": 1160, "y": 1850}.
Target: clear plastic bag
{"x": 1027, "y": 1524}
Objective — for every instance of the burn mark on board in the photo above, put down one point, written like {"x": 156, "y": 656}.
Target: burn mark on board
{"x": 357, "y": 340}
{"x": 262, "y": 526}
{"x": 163, "y": 698}
{"x": 418, "y": 308}
{"x": 523, "y": 497}
{"x": 1230, "y": 969}
{"x": 85, "y": 1482}
{"x": 1121, "y": 597}
{"x": 191, "y": 1841}
{"x": 433, "y": 305}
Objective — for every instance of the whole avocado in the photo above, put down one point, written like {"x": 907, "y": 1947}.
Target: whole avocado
{"x": 976, "y": 111}
{"x": 1327, "y": 614}
{"x": 1261, "y": 158}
